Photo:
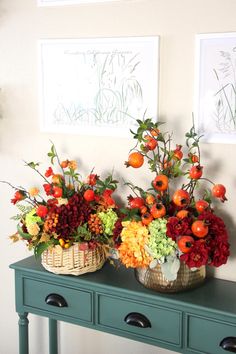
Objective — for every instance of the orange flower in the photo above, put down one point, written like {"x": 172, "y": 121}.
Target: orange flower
{"x": 72, "y": 164}
{"x": 132, "y": 249}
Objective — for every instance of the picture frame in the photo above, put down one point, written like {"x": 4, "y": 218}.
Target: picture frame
{"x": 71, "y": 2}
{"x": 98, "y": 86}
{"x": 215, "y": 87}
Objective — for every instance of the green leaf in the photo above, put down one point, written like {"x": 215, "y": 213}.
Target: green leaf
{"x": 40, "y": 248}
{"x": 124, "y": 211}
{"x": 83, "y": 234}
{"x": 207, "y": 196}
{"x": 52, "y": 153}
{"x": 23, "y": 234}
{"x": 134, "y": 211}
{"x": 32, "y": 164}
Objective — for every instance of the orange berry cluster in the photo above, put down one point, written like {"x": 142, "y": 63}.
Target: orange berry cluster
{"x": 95, "y": 224}
{"x": 51, "y": 222}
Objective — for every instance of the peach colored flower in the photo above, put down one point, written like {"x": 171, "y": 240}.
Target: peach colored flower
{"x": 73, "y": 164}
{"x": 33, "y": 192}
{"x": 33, "y": 229}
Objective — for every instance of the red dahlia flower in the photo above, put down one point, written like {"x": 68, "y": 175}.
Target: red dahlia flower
{"x": 198, "y": 255}
{"x": 177, "y": 227}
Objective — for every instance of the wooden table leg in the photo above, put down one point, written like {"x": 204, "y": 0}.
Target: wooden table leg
{"x": 53, "y": 346}
{"x": 23, "y": 333}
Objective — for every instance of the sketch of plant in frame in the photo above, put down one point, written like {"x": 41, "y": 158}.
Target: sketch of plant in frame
{"x": 225, "y": 97}
{"x": 115, "y": 91}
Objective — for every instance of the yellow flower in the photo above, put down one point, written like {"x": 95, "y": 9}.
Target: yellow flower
{"x": 33, "y": 229}
{"x": 72, "y": 164}
{"x": 44, "y": 238}
{"x": 132, "y": 251}
{"x": 33, "y": 192}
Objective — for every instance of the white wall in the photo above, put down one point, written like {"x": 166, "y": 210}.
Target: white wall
{"x": 22, "y": 23}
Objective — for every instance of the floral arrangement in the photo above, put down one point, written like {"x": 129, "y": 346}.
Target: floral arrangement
{"x": 167, "y": 225}
{"x": 67, "y": 210}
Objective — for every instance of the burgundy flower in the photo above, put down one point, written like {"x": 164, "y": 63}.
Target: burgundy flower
{"x": 215, "y": 224}
{"x": 219, "y": 250}
{"x": 177, "y": 227}
{"x": 197, "y": 256}
{"x": 117, "y": 231}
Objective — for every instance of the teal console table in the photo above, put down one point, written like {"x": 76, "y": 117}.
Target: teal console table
{"x": 202, "y": 320}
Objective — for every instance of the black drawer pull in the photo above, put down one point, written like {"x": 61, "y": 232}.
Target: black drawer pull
{"x": 56, "y": 300}
{"x": 229, "y": 344}
{"x": 138, "y": 320}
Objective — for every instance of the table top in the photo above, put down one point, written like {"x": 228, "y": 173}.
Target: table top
{"x": 214, "y": 294}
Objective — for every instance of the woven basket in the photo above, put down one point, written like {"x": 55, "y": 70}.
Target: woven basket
{"x": 73, "y": 261}
{"x": 186, "y": 278}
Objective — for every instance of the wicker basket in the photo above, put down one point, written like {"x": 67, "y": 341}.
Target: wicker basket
{"x": 186, "y": 278}
{"x": 73, "y": 261}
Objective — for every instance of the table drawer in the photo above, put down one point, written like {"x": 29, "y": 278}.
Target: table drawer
{"x": 78, "y": 303}
{"x": 205, "y": 334}
{"x": 166, "y": 324}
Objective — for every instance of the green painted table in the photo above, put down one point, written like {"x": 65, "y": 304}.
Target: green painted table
{"x": 112, "y": 301}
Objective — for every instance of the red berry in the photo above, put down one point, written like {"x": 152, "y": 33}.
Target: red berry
{"x": 219, "y": 191}
{"x": 151, "y": 143}
{"x": 201, "y": 205}
{"x": 136, "y": 202}
{"x": 199, "y": 228}
{"x": 185, "y": 243}
{"x": 195, "y": 172}
{"x": 181, "y": 198}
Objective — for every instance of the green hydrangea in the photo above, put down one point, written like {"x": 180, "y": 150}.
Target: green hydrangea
{"x": 31, "y": 218}
{"x": 160, "y": 245}
{"x": 108, "y": 219}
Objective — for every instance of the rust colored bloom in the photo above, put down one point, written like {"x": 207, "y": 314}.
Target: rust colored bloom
{"x": 48, "y": 188}
{"x": 107, "y": 197}
{"x": 42, "y": 211}
{"x": 92, "y": 179}
{"x": 49, "y": 172}
{"x": 19, "y": 195}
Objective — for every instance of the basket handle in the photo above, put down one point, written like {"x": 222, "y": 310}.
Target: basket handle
{"x": 138, "y": 320}
{"x": 56, "y": 300}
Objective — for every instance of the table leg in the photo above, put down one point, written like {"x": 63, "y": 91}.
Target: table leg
{"x": 53, "y": 347}
{"x": 23, "y": 333}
